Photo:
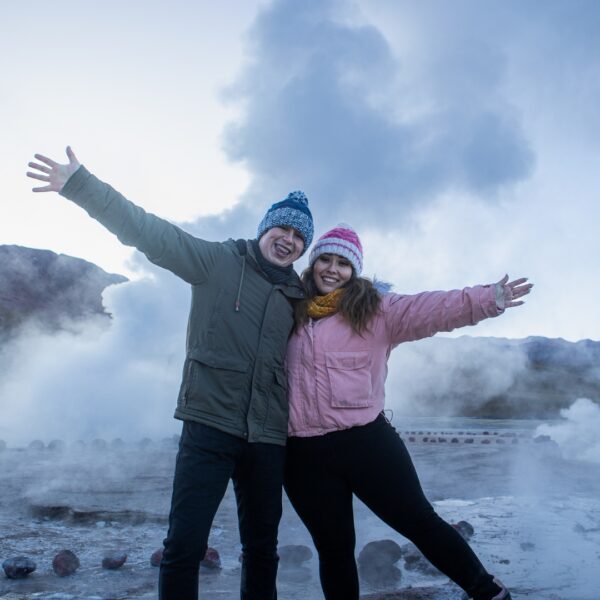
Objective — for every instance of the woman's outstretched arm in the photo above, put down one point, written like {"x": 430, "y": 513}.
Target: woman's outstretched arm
{"x": 422, "y": 315}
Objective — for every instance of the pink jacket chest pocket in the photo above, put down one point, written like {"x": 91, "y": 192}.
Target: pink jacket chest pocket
{"x": 349, "y": 375}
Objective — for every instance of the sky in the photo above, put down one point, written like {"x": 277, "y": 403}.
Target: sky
{"x": 461, "y": 140}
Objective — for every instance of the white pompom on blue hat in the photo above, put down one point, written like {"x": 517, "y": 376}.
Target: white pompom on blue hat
{"x": 291, "y": 212}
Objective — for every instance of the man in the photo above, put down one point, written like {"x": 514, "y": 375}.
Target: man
{"x": 233, "y": 396}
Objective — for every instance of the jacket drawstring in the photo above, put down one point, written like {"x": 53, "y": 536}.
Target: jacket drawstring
{"x": 239, "y": 294}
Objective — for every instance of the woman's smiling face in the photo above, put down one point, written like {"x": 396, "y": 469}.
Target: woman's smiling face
{"x": 330, "y": 272}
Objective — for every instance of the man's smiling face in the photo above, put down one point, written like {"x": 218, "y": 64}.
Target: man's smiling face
{"x": 281, "y": 245}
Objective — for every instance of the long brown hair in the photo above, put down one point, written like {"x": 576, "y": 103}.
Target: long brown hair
{"x": 359, "y": 304}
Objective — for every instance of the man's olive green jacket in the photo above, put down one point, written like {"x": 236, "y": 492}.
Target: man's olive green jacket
{"x": 239, "y": 323}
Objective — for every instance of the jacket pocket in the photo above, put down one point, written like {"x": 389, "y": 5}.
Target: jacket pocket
{"x": 277, "y": 404}
{"x": 216, "y": 383}
{"x": 349, "y": 375}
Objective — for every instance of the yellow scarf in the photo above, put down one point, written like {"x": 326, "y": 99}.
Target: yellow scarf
{"x": 323, "y": 306}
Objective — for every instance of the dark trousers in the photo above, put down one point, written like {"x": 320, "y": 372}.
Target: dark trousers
{"x": 206, "y": 461}
{"x": 322, "y": 473}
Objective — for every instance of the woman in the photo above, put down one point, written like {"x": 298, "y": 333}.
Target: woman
{"x": 339, "y": 442}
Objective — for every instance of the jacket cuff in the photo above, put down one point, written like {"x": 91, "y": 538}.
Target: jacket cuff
{"x": 74, "y": 185}
{"x": 500, "y": 299}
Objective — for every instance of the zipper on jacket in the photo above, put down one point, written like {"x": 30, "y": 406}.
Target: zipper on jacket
{"x": 315, "y": 408}
{"x": 239, "y": 294}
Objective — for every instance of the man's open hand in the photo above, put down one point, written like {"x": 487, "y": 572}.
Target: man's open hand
{"x": 54, "y": 174}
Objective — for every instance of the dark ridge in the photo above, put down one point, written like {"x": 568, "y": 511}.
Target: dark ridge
{"x": 48, "y": 288}
{"x": 76, "y": 516}
{"x": 546, "y": 376}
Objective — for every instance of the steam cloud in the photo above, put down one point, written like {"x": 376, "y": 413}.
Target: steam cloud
{"x": 577, "y": 436}
{"x": 120, "y": 382}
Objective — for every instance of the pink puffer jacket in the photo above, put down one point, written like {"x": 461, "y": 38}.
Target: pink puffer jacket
{"x": 336, "y": 378}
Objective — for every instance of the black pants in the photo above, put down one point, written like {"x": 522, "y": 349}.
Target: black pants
{"x": 322, "y": 473}
{"x": 206, "y": 461}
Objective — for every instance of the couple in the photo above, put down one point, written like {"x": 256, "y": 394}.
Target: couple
{"x": 274, "y": 359}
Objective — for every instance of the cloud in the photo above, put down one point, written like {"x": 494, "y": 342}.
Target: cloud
{"x": 325, "y": 109}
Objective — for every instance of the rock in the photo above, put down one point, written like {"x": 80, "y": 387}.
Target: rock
{"x": 113, "y": 560}
{"x": 465, "y": 529}
{"x": 294, "y": 555}
{"x": 449, "y": 591}
{"x": 454, "y": 441}
{"x": 99, "y": 445}
{"x": 415, "y": 561}
{"x": 541, "y": 439}
{"x": 156, "y": 557}
{"x": 18, "y": 567}
{"x": 56, "y": 446}
{"x": 117, "y": 444}
{"x": 170, "y": 442}
{"x": 144, "y": 443}
{"x": 527, "y": 546}
{"x": 65, "y": 563}
{"x": 376, "y": 563}
{"x": 211, "y": 559}
{"x": 486, "y": 441}
{"x": 469, "y": 441}
{"x": 36, "y": 446}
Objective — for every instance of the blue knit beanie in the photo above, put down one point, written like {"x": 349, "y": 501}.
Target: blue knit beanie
{"x": 291, "y": 212}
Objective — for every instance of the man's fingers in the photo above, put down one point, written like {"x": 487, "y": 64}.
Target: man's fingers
{"x": 503, "y": 280}
{"x": 38, "y": 176}
{"x": 71, "y": 156}
{"x": 46, "y": 160}
{"x": 47, "y": 188}
{"x": 517, "y": 303}
{"x": 41, "y": 168}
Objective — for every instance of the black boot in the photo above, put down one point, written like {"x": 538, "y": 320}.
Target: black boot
{"x": 503, "y": 593}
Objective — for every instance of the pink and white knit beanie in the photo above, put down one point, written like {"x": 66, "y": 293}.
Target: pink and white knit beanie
{"x": 343, "y": 241}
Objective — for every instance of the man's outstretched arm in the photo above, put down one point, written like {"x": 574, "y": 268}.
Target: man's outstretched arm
{"x": 163, "y": 243}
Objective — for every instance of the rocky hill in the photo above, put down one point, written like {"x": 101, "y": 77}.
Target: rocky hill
{"x": 534, "y": 377}
{"x": 52, "y": 289}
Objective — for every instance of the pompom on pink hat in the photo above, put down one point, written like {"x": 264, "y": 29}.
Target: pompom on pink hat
{"x": 343, "y": 241}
